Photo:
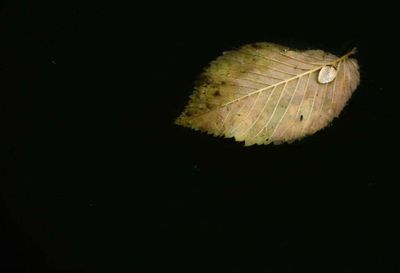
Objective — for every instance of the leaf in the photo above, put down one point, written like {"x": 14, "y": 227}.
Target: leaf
{"x": 265, "y": 93}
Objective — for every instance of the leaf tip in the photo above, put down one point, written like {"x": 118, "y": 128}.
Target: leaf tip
{"x": 181, "y": 121}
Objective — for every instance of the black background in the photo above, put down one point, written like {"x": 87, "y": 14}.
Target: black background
{"x": 95, "y": 177}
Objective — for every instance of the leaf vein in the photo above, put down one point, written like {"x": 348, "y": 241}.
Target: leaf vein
{"x": 287, "y": 107}
{"x": 262, "y": 111}
{"x": 274, "y": 60}
{"x": 247, "y": 114}
{"x": 273, "y": 112}
{"x": 301, "y": 103}
{"x": 312, "y": 108}
{"x": 299, "y": 60}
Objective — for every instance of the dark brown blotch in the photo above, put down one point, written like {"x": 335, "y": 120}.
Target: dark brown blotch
{"x": 217, "y": 93}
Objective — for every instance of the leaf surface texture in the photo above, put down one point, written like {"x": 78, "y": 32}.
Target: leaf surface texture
{"x": 264, "y": 93}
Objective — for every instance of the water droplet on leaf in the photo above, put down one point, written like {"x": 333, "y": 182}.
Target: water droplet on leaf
{"x": 327, "y": 74}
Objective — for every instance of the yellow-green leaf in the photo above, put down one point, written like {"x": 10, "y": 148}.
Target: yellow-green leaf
{"x": 265, "y": 93}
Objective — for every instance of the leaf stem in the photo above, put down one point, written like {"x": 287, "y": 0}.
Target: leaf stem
{"x": 351, "y": 52}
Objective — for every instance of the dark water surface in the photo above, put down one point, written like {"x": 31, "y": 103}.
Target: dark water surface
{"x": 95, "y": 177}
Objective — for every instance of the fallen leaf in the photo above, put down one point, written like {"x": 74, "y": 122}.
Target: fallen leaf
{"x": 266, "y": 93}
